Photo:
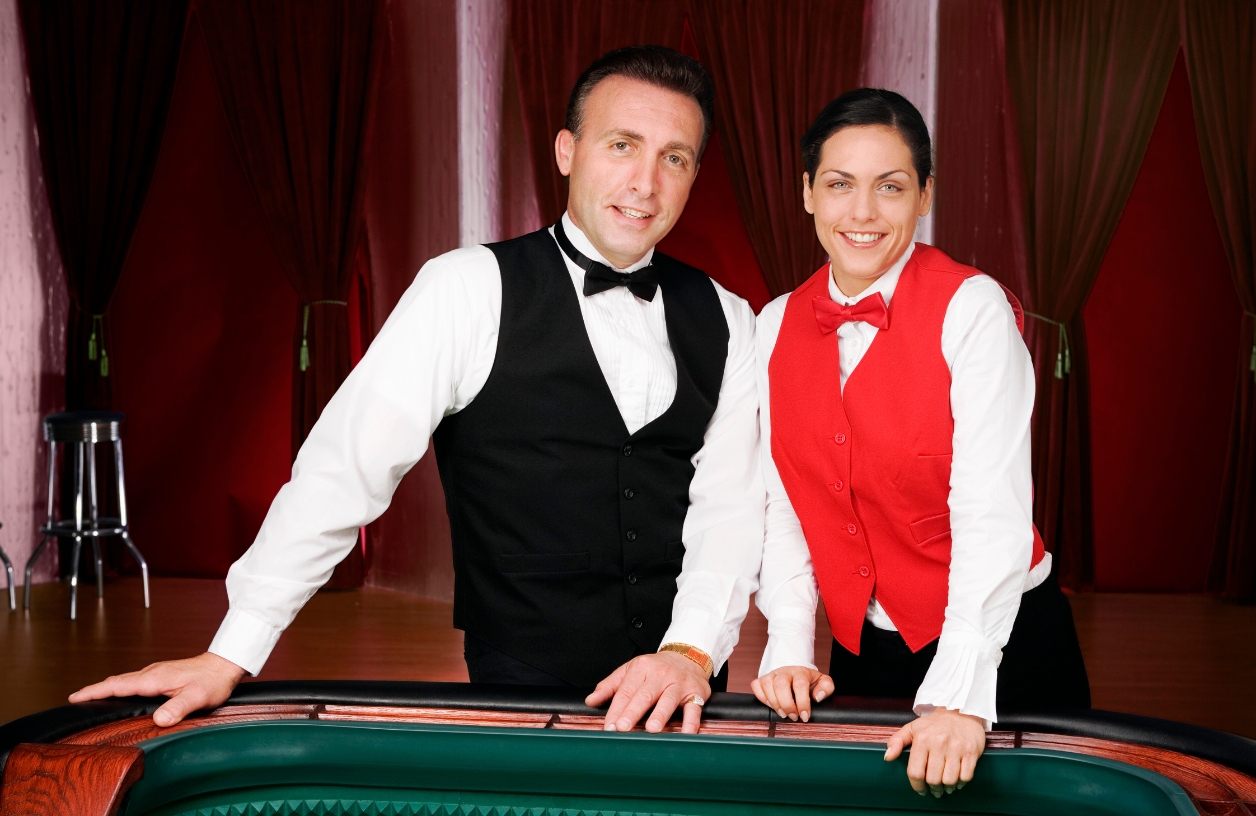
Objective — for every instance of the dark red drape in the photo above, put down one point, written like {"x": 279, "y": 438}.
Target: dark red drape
{"x": 1085, "y": 81}
{"x": 296, "y": 82}
{"x": 1218, "y": 38}
{"x": 1145, "y": 379}
{"x": 101, "y": 76}
{"x": 297, "y": 85}
{"x": 974, "y": 220}
{"x": 775, "y": 65}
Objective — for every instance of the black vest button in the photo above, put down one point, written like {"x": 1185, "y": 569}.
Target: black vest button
{"x": 631, "y": 535}
{"x": 628, "y": 494}
{"x": 637, "y": 623}
{"x": 627, "y": 450}
{"x": 632, "y": 577}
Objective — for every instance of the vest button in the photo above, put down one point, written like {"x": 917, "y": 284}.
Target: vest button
{"x": 863, "y": 571}
{"x": 850, "y": 528}
{"x": 837, "y": 485}
{"x": 627, "y": 450}
{"x": 628, "y": 493}
{"x": 840, "y": 439}
{"x": 631, "y": 535}
{"x": 632, "y": 577}
{"x": 637, "y": 623}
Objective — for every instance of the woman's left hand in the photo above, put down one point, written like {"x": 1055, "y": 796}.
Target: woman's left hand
{"x": 945, "y": 747}
{"x": 789, "y": 690}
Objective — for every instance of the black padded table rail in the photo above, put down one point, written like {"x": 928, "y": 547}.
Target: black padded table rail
{"x": 1216, "y": 746}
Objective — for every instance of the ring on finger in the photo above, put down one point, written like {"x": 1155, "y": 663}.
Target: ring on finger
{"x": 696, "y": 699}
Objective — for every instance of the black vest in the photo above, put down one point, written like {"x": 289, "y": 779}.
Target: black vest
{"x": 566, "y": 528}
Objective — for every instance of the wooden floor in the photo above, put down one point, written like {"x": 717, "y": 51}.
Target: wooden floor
{"x": 1181, "y": 657}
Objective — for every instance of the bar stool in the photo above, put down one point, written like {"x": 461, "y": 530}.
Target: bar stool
{"x": 8, "y": 568}
{"x": 84, "y": 429}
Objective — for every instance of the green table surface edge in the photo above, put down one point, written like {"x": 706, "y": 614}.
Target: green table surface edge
{"x": 694, "y": 773}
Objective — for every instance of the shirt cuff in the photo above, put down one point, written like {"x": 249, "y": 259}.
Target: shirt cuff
{"x": 963, "y": 677}
{"x": 790, "y": 643}
{"x": 245, "y": 640}
{"x": 700, "y": 633}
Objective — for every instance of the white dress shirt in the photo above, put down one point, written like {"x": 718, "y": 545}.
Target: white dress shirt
{"x": 430, "y": 360}
{"x": 991, "y": 498}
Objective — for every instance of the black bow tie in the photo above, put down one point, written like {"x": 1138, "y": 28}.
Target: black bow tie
{"x": 598, "y": 277}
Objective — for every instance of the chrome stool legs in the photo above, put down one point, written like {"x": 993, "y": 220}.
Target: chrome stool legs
{"x": 8, "y": 568}
{"x": 85, "y": 430}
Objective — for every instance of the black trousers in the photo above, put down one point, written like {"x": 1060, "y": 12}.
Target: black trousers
{"x": 488, "y": 664}
{"x": 1042, "y": 665}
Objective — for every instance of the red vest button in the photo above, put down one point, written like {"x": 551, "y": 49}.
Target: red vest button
{"x": 837, "y": 485}
{"x": 840, "y": 439}
{"x": 850, "y": 528}
{"x": 863, "y": 571}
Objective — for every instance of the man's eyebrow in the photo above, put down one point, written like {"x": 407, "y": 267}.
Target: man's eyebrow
{"x": 624, "y": 134}
{"x": 637, "y": 137}
{"x": 681, "y": 147}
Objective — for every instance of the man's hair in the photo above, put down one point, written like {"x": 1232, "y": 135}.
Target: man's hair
{"x": 659, "y": 66}
{"x": 870, "y": 106}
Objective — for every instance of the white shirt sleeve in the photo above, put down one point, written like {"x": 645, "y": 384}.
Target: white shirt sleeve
{"x": 991, "y": 499}
{"x": 429, "y": 360}
{"x": 787, "y": 586}
{"x": 723, "y": 531}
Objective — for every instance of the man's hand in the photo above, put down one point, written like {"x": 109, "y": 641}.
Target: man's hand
{"x": 200, "y": 682}
{"x": 945, "y": 747}
{"x": 667, "y": 678}
{"x": 789, "y": 690}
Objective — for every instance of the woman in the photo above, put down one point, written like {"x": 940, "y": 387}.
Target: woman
{"x": 895, "y": 399}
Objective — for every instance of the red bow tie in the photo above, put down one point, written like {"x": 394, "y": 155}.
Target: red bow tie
{"x": 870, "y": 310}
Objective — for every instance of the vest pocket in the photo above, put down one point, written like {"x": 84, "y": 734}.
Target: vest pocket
{"x": 543, "y": 562}
{"x": 930, "y": 530}
{"x": 673, "y": 550}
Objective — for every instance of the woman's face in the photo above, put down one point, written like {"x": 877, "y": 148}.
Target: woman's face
{"x": 866, "y": 198}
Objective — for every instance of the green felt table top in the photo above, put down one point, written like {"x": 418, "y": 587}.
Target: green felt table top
{"x": 387, "y": 769}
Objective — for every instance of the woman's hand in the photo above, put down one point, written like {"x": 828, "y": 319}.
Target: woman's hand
{"x": 945, "y": 747}
{"x": 789, "y": 690}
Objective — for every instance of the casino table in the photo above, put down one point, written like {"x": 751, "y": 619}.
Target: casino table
{"x": 421, "y": 749}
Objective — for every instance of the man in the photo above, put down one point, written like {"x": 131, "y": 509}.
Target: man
{"x": 594, "y": 410}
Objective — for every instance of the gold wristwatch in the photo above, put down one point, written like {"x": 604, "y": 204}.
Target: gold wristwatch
{"x": 693, "y": 653}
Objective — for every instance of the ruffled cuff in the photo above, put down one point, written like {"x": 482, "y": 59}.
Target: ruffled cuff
{"x": 245, "y": 640}
{"x": 963, "y": 677}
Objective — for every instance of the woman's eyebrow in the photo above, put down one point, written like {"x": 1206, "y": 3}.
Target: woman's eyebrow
{"x": 844, "y": 174}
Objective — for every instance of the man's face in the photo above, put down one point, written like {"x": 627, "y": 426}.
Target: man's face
{"x": 632, "y": 167}
{"x": 866, "y": 200}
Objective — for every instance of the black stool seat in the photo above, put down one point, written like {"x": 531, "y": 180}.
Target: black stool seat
{"x": 84, "y": 426}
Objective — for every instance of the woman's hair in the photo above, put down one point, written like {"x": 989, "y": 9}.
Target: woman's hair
{"x": 870, "y": 106}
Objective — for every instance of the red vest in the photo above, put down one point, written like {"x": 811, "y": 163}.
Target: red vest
{"x": 868, "y": 472}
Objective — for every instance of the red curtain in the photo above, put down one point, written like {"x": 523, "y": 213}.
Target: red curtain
{"x": 297, "y": 84}
{"x": 1160, "y": 255}
{"x": 101, "y": 77}
{"x": 1085, "y": 80}
{"x": 974, "y": 219}
{"x": 775, "y": 65}
{"x": 1218, "y": 38}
